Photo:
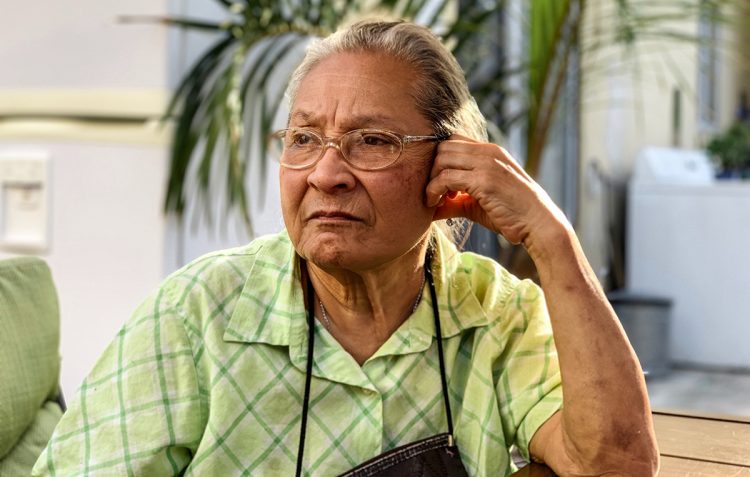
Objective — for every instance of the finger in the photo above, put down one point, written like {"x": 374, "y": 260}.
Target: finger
{"x": 449, "y": 180}
{"x": 511, "y": 161}
{"x": 463, "y": 161}
{"x": 453, "y": 207}
{"x": 460, "y": 137}
{"x": 474, "y": 156}
{"x": 465, "y": 155}
{"x": 458, "y": 143}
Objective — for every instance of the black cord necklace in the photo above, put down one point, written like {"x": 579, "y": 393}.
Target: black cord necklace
{"x": 428, "y": 450}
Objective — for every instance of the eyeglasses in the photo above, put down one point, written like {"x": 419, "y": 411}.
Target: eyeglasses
{"x": 364, "y": 149}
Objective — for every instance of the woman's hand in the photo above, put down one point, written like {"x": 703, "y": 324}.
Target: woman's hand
{"x": 483, "y": 183}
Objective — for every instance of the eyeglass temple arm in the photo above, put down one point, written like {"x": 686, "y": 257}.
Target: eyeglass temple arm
{"x": 438, "y": 138}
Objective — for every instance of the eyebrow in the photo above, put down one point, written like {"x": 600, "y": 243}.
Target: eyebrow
{"x": 355, "y": 122}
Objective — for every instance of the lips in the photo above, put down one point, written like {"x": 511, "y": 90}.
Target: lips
{"x": 333, "y": 215}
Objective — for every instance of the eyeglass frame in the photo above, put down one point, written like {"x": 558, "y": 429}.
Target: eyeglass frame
{"x": 335, "y": 142}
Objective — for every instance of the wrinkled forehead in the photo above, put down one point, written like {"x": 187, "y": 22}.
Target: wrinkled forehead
{"x": 356, "y": 90}
{"x": 299, "y": 117}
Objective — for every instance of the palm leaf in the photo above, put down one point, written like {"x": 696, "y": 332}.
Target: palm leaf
{"x": 225, "y": 105}
{"x": 188, "y": 99}
{"x": 180, "y": 22}
{"x": 272, "y": 52}
{"x": 554, "y": 29}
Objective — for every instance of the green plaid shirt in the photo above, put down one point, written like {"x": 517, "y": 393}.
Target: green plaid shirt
{"x": 207, "y": 376}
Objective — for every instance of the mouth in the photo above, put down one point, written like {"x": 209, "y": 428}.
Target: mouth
{"x": 333, "y": 216}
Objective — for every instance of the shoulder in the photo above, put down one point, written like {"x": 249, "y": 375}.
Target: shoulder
{"x": 487, "y": 276}
{"x": 493, "y": 286}
{"x": 211, "y": 284}
{"x": 479, "y": 292}
{"x": 221, "y": 271}
{"x": 510, "y": 305}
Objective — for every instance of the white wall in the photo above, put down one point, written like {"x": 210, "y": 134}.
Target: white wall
{"x": 78, "y": 44}
{"x": 196, "y": 237}
{"x": 106, "y": 179}
{"x": 106, "y": 240}
{"x": 626, "y": 104}
{"x": 110, "y": 245}
{"x": 690, "y": 244}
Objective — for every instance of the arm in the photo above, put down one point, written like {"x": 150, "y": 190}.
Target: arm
{"x": 139, "y": 410}
{"x": 605, "y": 425}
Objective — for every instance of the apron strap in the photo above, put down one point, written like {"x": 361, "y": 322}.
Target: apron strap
{"x": 310, "y": 308}
{"x": 439, "y": 339}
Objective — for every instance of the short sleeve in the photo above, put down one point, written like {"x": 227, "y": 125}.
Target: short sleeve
{"x": 528, "y": 384}
{"x": 139, "y": 411}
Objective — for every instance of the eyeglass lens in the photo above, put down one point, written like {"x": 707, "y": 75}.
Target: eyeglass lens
{"x": 366, "y": 149}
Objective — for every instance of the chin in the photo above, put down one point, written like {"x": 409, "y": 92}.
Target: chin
{"x": 348, "y": 255}
{"x": 328, "y": 252}
{"x": 350, "y": 251}
{"x": 332, "y": 260}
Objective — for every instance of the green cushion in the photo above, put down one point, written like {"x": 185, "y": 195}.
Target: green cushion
{"x": 24, "y": 454}
{"x": 29, "y": 342}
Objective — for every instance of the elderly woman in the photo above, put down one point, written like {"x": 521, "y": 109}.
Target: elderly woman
{"x": 361, "y": 330}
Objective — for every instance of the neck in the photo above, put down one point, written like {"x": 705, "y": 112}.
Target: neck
{"x": 368, "y": 306}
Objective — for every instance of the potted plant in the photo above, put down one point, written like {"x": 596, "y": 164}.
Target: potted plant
{"x": 731, "y": 151}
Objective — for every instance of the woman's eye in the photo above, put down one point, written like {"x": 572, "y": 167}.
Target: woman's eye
{"x": 301, "y": 139}
{"x": 376, "y": 140}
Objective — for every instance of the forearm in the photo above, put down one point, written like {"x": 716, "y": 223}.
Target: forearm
{"x": 606, "y": 418}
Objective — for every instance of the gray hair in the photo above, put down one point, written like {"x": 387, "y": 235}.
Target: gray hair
{"x": 441, "y": 94}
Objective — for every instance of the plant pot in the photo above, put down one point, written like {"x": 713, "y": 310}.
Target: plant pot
{"x": 646, "y": 320}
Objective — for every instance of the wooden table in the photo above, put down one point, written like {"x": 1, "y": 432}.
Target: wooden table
{"x": 694, "y": 445}
{"x": 702, "y": 445}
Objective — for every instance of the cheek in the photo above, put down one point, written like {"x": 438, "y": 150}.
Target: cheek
{"x": 292, "y": 186}
{"x": 405, "y": 195}
{"x": 416, "y": 179}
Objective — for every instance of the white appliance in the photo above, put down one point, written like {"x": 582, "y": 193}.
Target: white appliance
{"x": 688, "y": 239}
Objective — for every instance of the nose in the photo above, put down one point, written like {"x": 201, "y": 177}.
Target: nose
{"x": 331, "y": 173}
{"x": 331, "y": 144}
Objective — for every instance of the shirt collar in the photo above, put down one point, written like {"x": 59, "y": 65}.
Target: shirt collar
{"x": 459, "y": 307}
{"x": 271, "y": 307}
{"x": 271, "y": 303}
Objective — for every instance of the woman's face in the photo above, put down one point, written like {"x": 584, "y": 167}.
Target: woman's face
{"x": 339, "y": 217}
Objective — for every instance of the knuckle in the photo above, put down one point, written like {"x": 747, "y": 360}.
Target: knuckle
{"x": 504, "y": 168}
{"x": 444, "y": 146}
{"x": 446, "y": 175}
{"x": 498, "y": 151}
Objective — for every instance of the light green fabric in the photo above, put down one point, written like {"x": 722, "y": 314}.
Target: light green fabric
{"x": 207, "y": 376}
{"x": 29, "y": 357}
{"x": 19, "y": 461}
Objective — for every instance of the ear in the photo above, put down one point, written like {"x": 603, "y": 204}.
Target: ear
{"x": 454, "y": 205}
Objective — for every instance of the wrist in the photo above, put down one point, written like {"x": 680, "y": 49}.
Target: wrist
{"x": 551, "y": 243}
{"x": 559, "y": 258}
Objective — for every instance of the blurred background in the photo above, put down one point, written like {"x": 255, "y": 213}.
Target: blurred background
{"x": 132, "y": 141}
